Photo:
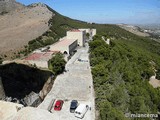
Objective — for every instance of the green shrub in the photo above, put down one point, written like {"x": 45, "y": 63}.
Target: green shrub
{"x": 57, "y": 63}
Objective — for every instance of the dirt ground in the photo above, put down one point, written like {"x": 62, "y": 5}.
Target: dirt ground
{"x": 22, "y": 25}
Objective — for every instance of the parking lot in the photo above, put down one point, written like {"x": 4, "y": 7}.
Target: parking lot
{"x": 75, "y": 84}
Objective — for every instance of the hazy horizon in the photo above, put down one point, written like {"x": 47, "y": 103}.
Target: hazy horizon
{"x": 106, "y": 11}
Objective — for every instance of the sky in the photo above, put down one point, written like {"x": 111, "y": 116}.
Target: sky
{"x": 106, "y": 11}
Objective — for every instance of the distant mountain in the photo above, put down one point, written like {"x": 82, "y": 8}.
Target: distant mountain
{"x": 134, "y": 29}
{"x": 151, "y": 26}
{"x": 152, "y": 29}
{"x": 9, "y": 5}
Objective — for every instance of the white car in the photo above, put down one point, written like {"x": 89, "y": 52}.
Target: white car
{"x": 81, "y": 110}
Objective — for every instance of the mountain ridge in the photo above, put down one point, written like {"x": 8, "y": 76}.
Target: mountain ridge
{"x": 9, "y": 5}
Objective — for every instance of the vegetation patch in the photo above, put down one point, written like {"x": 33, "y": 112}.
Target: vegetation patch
{"x": 121, "y": 72}
{"x": 57, "y": 64}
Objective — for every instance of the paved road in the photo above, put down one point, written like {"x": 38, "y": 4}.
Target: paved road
{"x": 73, "y": 84}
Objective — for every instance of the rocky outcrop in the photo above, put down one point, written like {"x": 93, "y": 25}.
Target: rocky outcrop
{"x": 46, "y": 88}
{"x": 32, "y": 99}
{"x": 9, "y": 5}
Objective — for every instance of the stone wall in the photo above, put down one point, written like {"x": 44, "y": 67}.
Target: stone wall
{"x": 47, "y": 87}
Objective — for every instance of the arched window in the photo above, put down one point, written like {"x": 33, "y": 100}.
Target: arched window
{"x": 65, "y": 52}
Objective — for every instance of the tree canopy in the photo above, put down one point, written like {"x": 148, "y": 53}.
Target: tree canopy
{"x": 57, "y": 63}
{"x": 121, "y": 72}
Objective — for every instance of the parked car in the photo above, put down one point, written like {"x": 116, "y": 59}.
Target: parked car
{"x": 81, "y": 110}
{"x": 79, "y": 60}
{"x": 58, "y": 105}
{"x": 73, "y": 106}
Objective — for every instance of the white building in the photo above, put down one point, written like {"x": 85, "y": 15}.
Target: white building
{"x": 40, "y": 59}
{"x": 108, "y": 41}
{"x": 91, "y": 32}
{"x": 80, "y": 35}
{"x": 65, "y": 46}
{"x": 94, "y": 32}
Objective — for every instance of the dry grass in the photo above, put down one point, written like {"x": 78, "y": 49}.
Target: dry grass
{"x": 20, "y": 26}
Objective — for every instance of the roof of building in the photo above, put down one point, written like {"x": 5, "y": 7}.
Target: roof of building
{"x": 64, "y": 42}
{"x": 82, "y": 29}
{"x": 75, "y": 30}
{"x": 43, "y": 56}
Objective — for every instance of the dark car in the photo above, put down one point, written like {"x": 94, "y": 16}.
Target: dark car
{"x": 73, "y": 106}
{"x": 58, "y": 105}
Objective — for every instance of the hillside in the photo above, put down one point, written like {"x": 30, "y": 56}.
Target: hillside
{"x": 20, "y": 26}
{"x": 9, "y": 5}
{"x": 134, "y": 29}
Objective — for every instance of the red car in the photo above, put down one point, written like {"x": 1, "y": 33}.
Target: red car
{"x": 58, "y": 105}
